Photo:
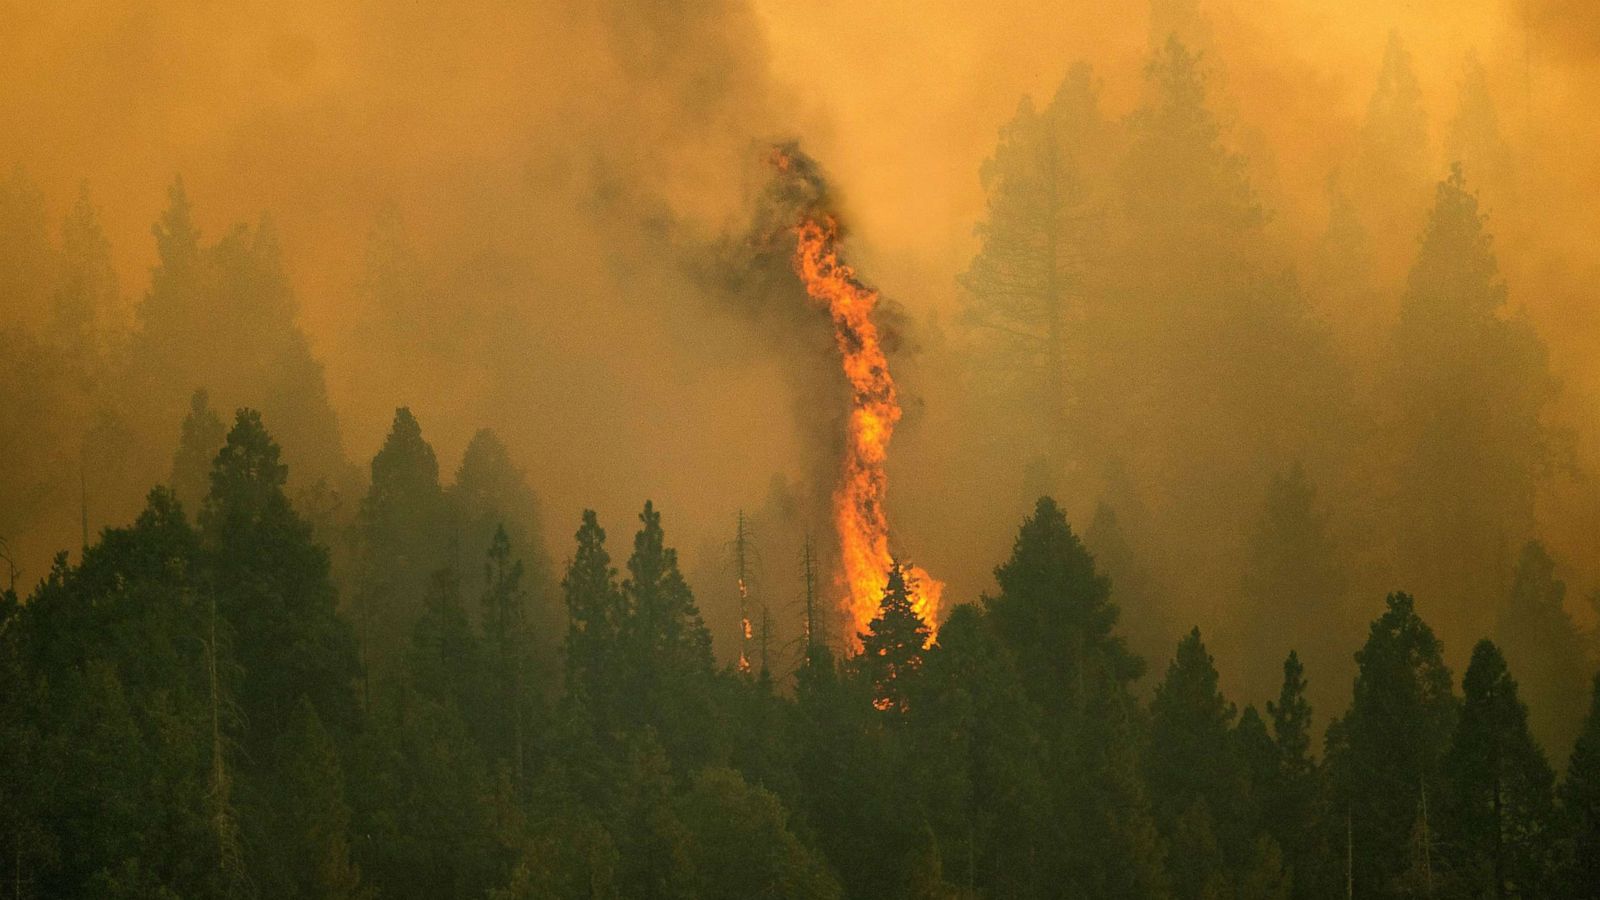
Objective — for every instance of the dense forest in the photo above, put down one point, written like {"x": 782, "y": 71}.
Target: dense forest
{"x": 1244, "y": 381}
{"x": 190, "y": 713}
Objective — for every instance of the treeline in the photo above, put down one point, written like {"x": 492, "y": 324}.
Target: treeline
{"x": 190, "y": 712}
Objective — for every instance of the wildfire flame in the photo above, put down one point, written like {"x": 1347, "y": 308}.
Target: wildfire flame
{"x": 858, "y": 509}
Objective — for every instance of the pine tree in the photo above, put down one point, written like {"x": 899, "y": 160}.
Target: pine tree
{"x": 1042, "y": 238}
{"x": 1496, "y": 824}
{"x": 1192, "y": 757}
{"x": 893, "y": 645}
{"x": 1293, "y": 589}
{"x": 274, "y": 590}
{"x": 316, "y": 836}
{"x": 1541, "y": 641}
{"x": 1292, "y": 804}
{"x": 505, "y": 628}
{"x": 87, "y": 302}
{"x": 1471, "y": 385}
{"x": 595, "y": 616}
{"x": 667, "y": 652}
{"x": 1394, "y": 737}
{"x": 403, "y": 533}
{"x": 1391, "y": 170}
{"x": 1475, "y": 140}
{"x": 1580, "y": 808}
{"x": 198, "y": 442}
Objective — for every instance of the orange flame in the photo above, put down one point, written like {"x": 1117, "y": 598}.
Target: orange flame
{"x": 858, "y": 510}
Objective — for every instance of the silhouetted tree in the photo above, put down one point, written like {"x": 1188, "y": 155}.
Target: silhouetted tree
{"x": 1496, "y": 824}
{"x": 1580, "y": 808}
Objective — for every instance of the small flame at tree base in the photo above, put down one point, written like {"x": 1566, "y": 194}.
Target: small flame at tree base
{"x": 858, "y": 501}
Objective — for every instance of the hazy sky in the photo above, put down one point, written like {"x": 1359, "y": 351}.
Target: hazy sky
{"x": 550, "y": 158}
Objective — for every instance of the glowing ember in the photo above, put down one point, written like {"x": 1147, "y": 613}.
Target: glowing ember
{"x": 858, "y": 510}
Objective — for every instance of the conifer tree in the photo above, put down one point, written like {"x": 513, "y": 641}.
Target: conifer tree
{"x": 505, "y": 628}
{"x": 1192, "y": 761}
{"x": 1580, "y": 808}
{"x": 274, "y": 590}
{"x": 892, "y": 647}
{"x": 1394, "y": 738}
{"x": 403, "y": 534}
{"x": 1042, "y": 241}
{"x": 316, "y": 834}
{"x": 1293, "y": 589}
{"x": 1471, "y": 385}
{"x": 1496, "y": 824}
{"x": 198, "y": 442}
{"x": 595, "y": 616}
{"x": 86, "y": 302}
{"x": 1540, "y": 640}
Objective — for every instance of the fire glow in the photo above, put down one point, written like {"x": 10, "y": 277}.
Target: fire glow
{"x": 858, "y": 500}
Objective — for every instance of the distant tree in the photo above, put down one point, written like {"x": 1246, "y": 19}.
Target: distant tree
{"x": 403, "y": 529}
{"x": 223, "y": 315}
{"x": 1580, "y": 808}
{"x": 1386, "y": 752}
{"x": 87, "y": 303}
{"x": 198, "y": 442}
{"x": 1293, "y": 589}
{"x": 1471, "y": 385}
{"x": 28, "y": 261}
{"x": 1541, "y": 641}
{"x": 1497, "y": 818}
{"x": 892, "y": 647}
{"x": 1391, "y": 170}
{"x": 1146, "y": 614}
{"x": 1041, "y": 242}
{"x": 1475, "y": 140}
{"x": 490, "y": 493}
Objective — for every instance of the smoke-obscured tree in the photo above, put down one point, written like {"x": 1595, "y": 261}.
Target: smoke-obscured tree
{"x": 28, "y": 261}
{"x": 86, "y": 310}
{"x": 1392, "y": 168}
{"x": 1580, "y": 808}
{"x": 1387, "y": 750}
{"x": 1475, "y": 139}
{"x": 1195, "y": 274}
{"x": 1496, "y": 821}
{"x": 1146, "y": 614}
{"x": 1540, "y": 640}
{"x": 1471, "y": 385}
{"x": 1042, "y": 252}
{"x": 404, "y": 538}
{"x": 201, "y": 436}
{"x": 223, "y": 315}
{"x": 491, "y": 492}
{"x": 1293, "y": 591}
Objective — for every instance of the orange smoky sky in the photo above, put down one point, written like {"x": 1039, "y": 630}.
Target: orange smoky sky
{"x": 547, "y": 158}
